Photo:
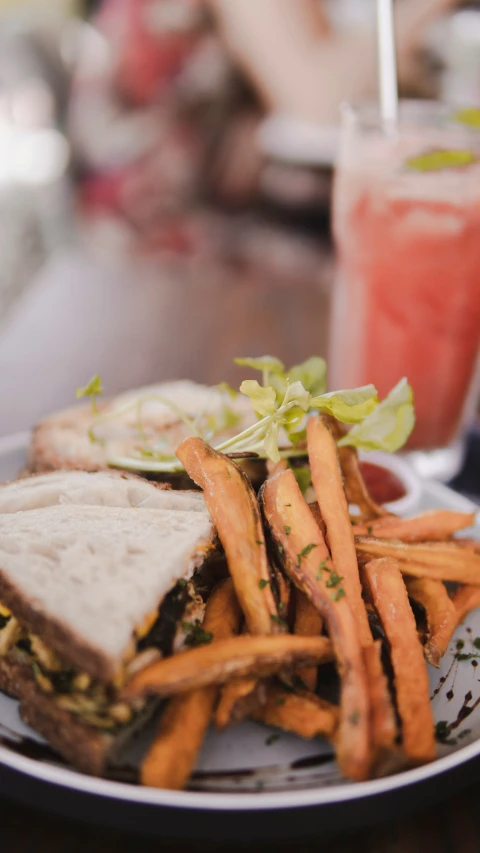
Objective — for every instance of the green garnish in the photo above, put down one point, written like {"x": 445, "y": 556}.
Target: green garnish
{"x": 92, "y": 389}
{"x": 287, "y": 529}
{"x": 333, "y": 580}
{"x": 442, "y": 733}
{"x": 305, "y": 552}
{"x": 389, "y": 424}
{"x": 182, "y": 583}
{"x": 470, "y": 656}
{"x": 281, "y": 606}
{"x": 340, "y": 592}
{"x": 263, "y": 583}
{"x": 476, "y": 642}
{"x": 322, "y": 566}
{"x": 271, "y": 739}
{"x": 470, "y": 116}
{"x": 436, "y": 161}
{"x": 282, "y": 404}
{"x": 259, "y": 542}
{"x": 303, "y": 477}
{"x": 354, "y": 718}
{"x": 278, "y": 620}
{"x": 460, "y": 644}
{"x": 280, "y": 548}
{"x": 369, "y": 529}
{"x": 195, "y": 634}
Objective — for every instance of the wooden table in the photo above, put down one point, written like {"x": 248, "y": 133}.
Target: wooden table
{"x": 451, "y": 827}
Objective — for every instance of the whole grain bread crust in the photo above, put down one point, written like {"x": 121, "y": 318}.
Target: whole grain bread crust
{"x": 83, "y": 746}
{"x": 56, "y": 636}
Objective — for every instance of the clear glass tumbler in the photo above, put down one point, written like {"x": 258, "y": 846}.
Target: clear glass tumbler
{"x": 406, "y": 299}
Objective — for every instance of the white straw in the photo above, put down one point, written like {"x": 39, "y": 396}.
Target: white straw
{"x": 387, "y": 62}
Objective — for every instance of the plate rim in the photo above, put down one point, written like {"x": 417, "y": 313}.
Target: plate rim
{"x": 239, "y": 800}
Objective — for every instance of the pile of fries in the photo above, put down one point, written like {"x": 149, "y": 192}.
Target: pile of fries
{"x": 306, "y": 583}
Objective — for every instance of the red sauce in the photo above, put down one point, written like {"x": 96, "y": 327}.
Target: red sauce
{"x": 383, "y": 486}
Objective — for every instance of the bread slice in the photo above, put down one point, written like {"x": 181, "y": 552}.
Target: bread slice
{"x": 86, "y": 558}
{"x": 62, "y": 440}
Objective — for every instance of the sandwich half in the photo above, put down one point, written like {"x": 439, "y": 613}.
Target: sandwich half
{"x": 95, "y": 572}
{"x": 63, "y": 440}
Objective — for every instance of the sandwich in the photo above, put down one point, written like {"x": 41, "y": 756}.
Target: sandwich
{"x": 96, "y": 572}
{"x": 78, "y": 438}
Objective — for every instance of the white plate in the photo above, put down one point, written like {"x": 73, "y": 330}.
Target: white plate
{"x": 239, "y": 772}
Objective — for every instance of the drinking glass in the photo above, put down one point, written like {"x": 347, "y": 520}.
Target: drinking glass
{"x": 406, "y": 299}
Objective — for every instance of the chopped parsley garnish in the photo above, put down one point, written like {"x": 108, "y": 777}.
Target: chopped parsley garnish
{"x": 195, "y": 634}
{"x": 281, "y": 605}
{"x": 460, "y": 644}
{"x": 278, "y": 620}
{"x": 442, "y": 733}
{"x": 338, "y": 594}
{"x": 287, "y": 529}
{"x": 333, "y": 580}
{"x": 263, "y": 583}
{"x": 322, "y": 566}
{"x": 305, "y": 552}
{"x": 259, "y": 542}
{"x": 182, "y": 583}
{"x": 476, "y": 642}
{"x": 354, "y": 718}
{"x": 271, "y": 739}
{"x": 467, "y": 656}
{"x": 370, "y": 530}
{"x": 280, "y": 548}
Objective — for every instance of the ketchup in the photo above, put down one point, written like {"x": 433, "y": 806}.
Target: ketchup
{"x": 383, "y": 486}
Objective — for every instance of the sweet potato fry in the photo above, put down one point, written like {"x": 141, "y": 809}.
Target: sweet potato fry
{"x": 355, "y": 487}
{"x": 217, "y": 663}
{"x": 383, "y": 722}
{"x": 439, "y": 612}
{"x": 307, "y": 562}
{"x": 327, "y": 482}
{"x": 465, "y": 599}
{"x": 302, "y": 713}
{"x": 308, "y": 623}
{"x": 235, "y": 512}
{"x": 439, "y": 524}
{"x": 171, "y": 758}
{"x": 386, "y": 589}
{"x": 437, "y": 560}
{"x": 238, "y": 699}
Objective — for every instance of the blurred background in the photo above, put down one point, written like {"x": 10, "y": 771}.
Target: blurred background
{"x": 165, "y": 178}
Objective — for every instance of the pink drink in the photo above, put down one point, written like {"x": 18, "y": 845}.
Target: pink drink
{"x": 407, "y": 296}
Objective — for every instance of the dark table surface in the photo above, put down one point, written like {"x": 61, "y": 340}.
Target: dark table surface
{"x": 451, "y": 825}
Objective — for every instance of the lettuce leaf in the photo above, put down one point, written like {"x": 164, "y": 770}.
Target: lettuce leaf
{"x": 351, "y": 406}
{"x": 263, "y": 400}
{"x": 263, "y": 362}
{"x": 389, "y": 424}
{"x": 312, "y": 373}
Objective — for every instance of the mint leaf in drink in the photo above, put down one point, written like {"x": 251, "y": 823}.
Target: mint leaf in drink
{"x": 470, "y": 116}
{"x": 439, "y": 159}
{"x": 388, "y": 426}
{"x": 350, "y": 406}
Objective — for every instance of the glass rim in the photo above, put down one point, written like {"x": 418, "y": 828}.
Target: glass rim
{"x": 412, "y": 113}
